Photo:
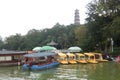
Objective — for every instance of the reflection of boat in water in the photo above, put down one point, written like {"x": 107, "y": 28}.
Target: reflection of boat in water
{"x": 71, "y": 58}
{"x": 39, "y": 61}
{"x": 62, "y": 58}
{"x": 90, "y": 58}
{"x": 80, "y": 58}
{"x": 99, "y": 57}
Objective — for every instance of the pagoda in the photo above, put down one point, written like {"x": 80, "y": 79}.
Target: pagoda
{"x": 76, "y": 17}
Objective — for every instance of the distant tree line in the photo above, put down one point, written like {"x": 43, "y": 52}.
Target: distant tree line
{"x": 102, "y": 24}
{"x": 65, "y": 36}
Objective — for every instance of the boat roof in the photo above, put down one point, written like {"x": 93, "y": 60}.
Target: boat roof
{"x": 89, "y": 54}
{"x": 71, "y": 54}
{"x": 62, "y": 54}
{"x": 80, "y": 54}
{"x": 98, "y": 53}
{"x": 12, "y": 52}
{"x": 40, "y": 54}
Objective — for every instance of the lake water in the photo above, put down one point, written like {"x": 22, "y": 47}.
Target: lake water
{"x": 100, "y": 71}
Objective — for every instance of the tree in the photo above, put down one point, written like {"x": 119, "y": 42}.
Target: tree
{"x": 102, "y": 18}
{"x": 1, "y": 43}
{"x": 14, "y": 42}
{"x": 82, "y": 36}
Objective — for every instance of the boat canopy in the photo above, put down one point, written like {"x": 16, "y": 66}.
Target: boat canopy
{"x": 62, "y": 54}
{"x": 89, "y": 54}
{"x": 40, "y": 54}
{"x": 80, "y": 54}
{"x": 71, "y": 55}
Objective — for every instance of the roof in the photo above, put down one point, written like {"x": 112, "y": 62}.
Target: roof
{"x": 80, "y": 54}
{"x": 40, "y": 54}
{"x": 89, "y": 54}
{"x": 71, "y": 54}
{"x": 62, "y": 54}
{"x": 12, "y": 52}
{"x": 52, "y": 43}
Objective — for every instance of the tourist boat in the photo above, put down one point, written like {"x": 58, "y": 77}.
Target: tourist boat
{"x": 11, "y": 58}
{"x": 71, "y": 58}
{"x": 80, "y": 58}
{"x": 90, "y": 57}
{"x": 40, "y": 61}
{"x": 99, "y": 57}
{"x": 62, "y": 58}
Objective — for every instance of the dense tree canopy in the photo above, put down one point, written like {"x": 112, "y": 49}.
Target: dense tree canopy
{"x": 103, "y": 22}
{"x": 65, "y": 36}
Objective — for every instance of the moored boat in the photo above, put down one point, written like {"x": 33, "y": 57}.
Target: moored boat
{"x": 90, "y": 58}
{"x": 11, "y": 58}
{"x": 62, "y": 58}
{"x": 40, "y": 61}
{"x": 71, "y": 58}
{"x": 99, "y": 57}
{"x": 80, "y": 58}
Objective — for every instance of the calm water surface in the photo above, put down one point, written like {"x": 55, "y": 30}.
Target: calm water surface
{"x": 100, "y": 71}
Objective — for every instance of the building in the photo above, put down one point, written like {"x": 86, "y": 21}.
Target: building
{"x": 77, "y": 17}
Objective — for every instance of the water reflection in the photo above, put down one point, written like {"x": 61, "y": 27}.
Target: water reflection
{"x": 100, "y": 71}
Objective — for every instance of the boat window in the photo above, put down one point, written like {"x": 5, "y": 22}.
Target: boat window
{"x": 86, "y": 57}
{"x": 5, "y": 58}
{"x": 41, "y": 58}
{"x": 97, "y": 56}
{"x": 92, "y": 57}
{"x": 82, "y": 57}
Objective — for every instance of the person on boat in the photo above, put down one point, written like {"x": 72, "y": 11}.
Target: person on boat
{"x": 30, "y": 63}
{"x": 49, "y": 60}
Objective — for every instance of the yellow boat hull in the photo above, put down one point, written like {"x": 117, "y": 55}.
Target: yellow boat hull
{"x": 92, "y": 61}
{"x": 82, "y": 61}
{"x": 63, "y": 62}
{"x": 103, "y": 60}
{"x": 72, "y": 62}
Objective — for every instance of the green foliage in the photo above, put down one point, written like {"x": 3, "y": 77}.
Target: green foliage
{"x": 103, "y": 22}
{"x": 65, "y": 36}
{"x": 14, "y": 42}
{"x": 1, "y": 43}
{"x": 82, "y": 36}
{"x": 116, "y": 51}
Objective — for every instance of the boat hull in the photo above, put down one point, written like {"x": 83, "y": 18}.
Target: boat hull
{"x": 82, "y": 61}
{"x": 63, "y": 61}
{"x": 72, "y": 62}
{"x": 40, "y": 67}
{"x": 92, "y": 61}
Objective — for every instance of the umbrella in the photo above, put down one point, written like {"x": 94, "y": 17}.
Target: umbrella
{"x": 36, "y": 49}
{"x": 47, "y": 48}
{"x": 74, "y": 49}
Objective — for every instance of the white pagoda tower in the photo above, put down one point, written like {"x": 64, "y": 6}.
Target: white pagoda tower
{"x": 76, "y": 17}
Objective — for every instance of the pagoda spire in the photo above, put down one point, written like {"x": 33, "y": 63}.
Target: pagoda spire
{"x": 76, "y": 17}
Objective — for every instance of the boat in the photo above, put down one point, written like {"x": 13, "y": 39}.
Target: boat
{"x": 62, "y": 58}
{"x": 80, "y": 58}
{"x": 40, "y": 61}
{"x": 90, "y": 57}
{"x": 99, "y": 57}
{"x": 71, "y": 58}
{"x": 11, "y": 58}
{"x": 118, "y": 59}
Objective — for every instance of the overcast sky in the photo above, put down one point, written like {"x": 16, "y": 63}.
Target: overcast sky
{"x": 20, "y": 16}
